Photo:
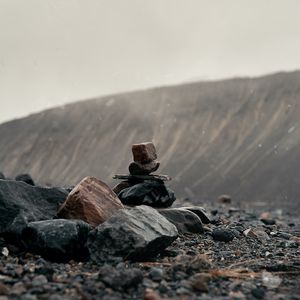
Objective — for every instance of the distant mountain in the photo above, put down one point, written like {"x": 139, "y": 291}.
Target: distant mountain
{"x": 239, "y": 137}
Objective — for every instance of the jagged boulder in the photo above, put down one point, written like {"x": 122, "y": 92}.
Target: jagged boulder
{"x": 150, "y": 192}
{"x": 21, "y": 203}
{"x": 184, "y": 220}
{"x": 25, "y": 178}
{"x": 92, "y": 201}
{"x": 135, "y": 234}
{"x": 57, "y": 240}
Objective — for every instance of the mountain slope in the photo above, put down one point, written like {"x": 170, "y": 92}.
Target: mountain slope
{"x": 238, "y": 136}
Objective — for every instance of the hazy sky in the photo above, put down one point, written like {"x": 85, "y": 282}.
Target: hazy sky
{"x": 57, "y": 51}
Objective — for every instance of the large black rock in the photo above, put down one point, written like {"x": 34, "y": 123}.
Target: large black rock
{"x": 2, "y": 176}
{"x": 135, "y": 234}
{"x": 150, "y": 192}
{"x": 21, "y": 203}
{"x": 184, "y": 220}
{"x": 57, "y": 240}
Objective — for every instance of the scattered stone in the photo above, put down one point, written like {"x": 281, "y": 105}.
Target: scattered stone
{"x": 39, "y": 280}
{"x": 136, "y": 168}
{"x": 267, "y": 219}
{"x": 57, "y": 240}
{"x": 200, "y": 281}
{"x": 135, "y": 234}
{"x": 21, "y": 203}
{"x": 4, "y": 290}
{"x": 25, "y": 178}
{"x": 223, "y": 235}
{"x": 2, "y": 176}
{"x": 91, "y": 201}
{"x": 122, "y": 279}
{"x": 150, "y": 294}
{"x": 257, "y": 233}
{"x": 226, "y": 199}
{"x": 258, "y": 292}
{"x": 185, "y": 221}
{"x": 156, "y": 274}
{"x": 144, "y": 152}
{"x": 150, "y": 192}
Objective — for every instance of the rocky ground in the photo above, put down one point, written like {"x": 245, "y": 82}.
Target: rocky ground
{"x": 237, "y": 257}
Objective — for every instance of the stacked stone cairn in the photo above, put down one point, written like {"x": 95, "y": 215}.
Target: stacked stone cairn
{"x": 141, "y": 187}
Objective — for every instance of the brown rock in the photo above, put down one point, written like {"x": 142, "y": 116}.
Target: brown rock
{"x": 4, "y": 290}
{"x": 200, "y": 281}
{"x": 136, "y": 168}
{"x": 144, "y": 153}
{"x": 91, "y": 201}
{"x": 151, "y": 295}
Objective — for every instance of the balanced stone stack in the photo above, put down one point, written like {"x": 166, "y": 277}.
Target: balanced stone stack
{"x": 141, "y": 187}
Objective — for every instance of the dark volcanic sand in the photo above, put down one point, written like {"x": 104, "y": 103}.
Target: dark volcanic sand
{"x": 264, "y": 267}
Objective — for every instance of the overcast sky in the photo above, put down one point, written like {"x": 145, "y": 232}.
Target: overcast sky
{"x": 57, "y": 51}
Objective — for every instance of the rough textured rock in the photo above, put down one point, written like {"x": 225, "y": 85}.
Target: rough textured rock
{"x": 222, "y": 235}
{"x": 200, "y": 212}
{"x": 150, "y": 192}
{"x": 21, "y": 203}
{"x": 184, "y": 220}
{"x": 121, "y": 186}
{"x": 25, "y": 178}
{"x": 144, "y": 153}
{"x": 58, "y": 240}
{"x": 136, "y": 168}
{"x": 135, "y": 234}
{"x": 120, "y": 279}
{"x": 91, "y": 201}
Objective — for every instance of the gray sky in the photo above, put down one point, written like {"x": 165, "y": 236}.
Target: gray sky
{"x": 57, "y": 51}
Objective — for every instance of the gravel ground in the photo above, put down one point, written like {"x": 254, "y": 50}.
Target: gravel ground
{"x": 222, "y": 263}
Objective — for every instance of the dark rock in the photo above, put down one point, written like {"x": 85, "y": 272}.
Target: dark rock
{"x": 222, "y": 235}
{"x": 144, "y": 153}
{"x": 200, "y": 212}
{"x": 92, "y": 201}
{"x": 25, "y": 178}
{"x": 258, "y": 292}
{"x": 184, "y": 220}
{"x": 156, "y": 274}
{"x": 150, "y": 192}
{"x": 135, "y": 234}
{"x": 121, "y": 186}
{"x": 57, "y": 240}
{"x": 136, "y": 168}
{"x": 224, "y": 199}
{"x": 2, "y": 176}
{"x": 21, "y": 203}
{"x": 122, "y": 279}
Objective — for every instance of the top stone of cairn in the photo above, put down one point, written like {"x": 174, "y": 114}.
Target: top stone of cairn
{"x": 144, "y": 153}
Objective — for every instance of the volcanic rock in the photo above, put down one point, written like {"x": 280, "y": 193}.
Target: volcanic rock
{"x": 222, "y": 235}
{"x": 21, "y": 203}
{"x": 137, "y": 233}
{"x": 144, "y": 153}
{"x": 136, "y": 168}
{"x": 57, "y": 240}
{"x": 25, "y": 178}
{"x": 150, "y": 192}
{"x": 91, "y": 201}
{"x": 120, "y": 279}
{"x": 184, "y": 220}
